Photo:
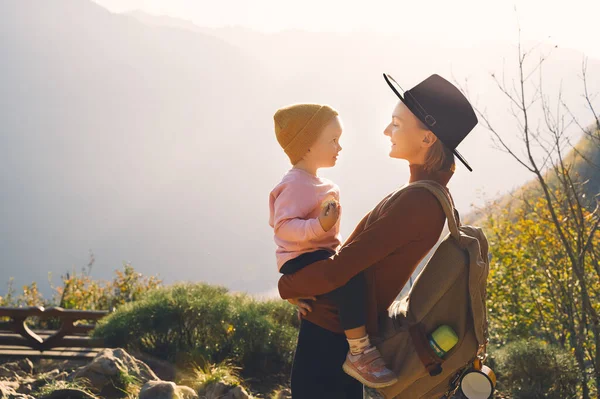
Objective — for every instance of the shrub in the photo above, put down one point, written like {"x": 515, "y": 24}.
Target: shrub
{"x": 80, "y": 291}
{"x": 197, "y": 323}
{"x": 531, "y": 369}
{"x": 199, "y": 377}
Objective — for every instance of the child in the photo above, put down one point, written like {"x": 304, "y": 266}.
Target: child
{"x": 304, "y": 213}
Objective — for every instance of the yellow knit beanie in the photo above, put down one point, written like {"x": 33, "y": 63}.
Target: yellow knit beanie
{"x": 298, "y": 126}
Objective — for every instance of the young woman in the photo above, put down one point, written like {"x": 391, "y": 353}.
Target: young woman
{"x": 426, "y": 126}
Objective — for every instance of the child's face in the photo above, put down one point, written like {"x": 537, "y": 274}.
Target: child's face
{"x": 324, "y": 152}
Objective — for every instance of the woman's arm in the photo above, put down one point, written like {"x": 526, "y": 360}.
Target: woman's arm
{"x": 400, "y": 225}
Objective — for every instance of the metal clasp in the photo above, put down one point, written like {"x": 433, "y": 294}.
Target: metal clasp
{"x": 430, "y": 120}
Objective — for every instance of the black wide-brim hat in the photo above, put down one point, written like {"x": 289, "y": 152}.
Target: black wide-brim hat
{"x": 441, "y": 107}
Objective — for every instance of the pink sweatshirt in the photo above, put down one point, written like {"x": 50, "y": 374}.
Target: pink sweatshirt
{"x": 295, "y": 205}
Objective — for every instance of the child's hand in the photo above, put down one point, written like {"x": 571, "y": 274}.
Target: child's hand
{"x": 330, "y": 212}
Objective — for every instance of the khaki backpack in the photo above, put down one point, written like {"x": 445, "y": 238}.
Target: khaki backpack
{"x": 451, "y": 290}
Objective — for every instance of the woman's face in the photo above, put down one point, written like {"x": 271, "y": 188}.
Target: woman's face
{"x": 409, "y": 140}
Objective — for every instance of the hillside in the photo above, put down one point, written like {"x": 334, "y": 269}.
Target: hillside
{"x": 585, "y": 161}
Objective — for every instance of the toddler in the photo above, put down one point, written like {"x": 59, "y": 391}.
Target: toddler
{"x": 305, "y": 213}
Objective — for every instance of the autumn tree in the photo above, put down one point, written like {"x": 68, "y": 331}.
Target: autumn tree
{"x": 545, "y": 277}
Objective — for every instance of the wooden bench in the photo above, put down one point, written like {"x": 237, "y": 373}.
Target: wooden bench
{"x": 71, "y": 340}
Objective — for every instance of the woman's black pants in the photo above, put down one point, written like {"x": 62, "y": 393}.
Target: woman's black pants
{"x": 317, "y": 370}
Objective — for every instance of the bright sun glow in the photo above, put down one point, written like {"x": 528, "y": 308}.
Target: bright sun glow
{"x": 461, "y": 22}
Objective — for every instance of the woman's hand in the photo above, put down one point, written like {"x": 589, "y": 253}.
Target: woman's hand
{"x": 302, "y": 304}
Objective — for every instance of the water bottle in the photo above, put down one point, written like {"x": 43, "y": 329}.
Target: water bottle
{"x": 442, "y": 340}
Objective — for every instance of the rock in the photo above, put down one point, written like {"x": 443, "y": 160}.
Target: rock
{"x": 7, "y": 392}
{"x": 219, "y": 390}
{"x": 108, "y": 375}
{"x": 68, "y": 394}
{"x": 237, "y": 393}
{"x": 34, "y": 383}
{"x": 15, "y": 370}
{"x": 159, "y": 390}
{"x": 26, "y": 388}
{"x": 165, "y": 371}
{"x": 69, "y": 365}
{"x": 284, "y": 393}
{"x": 166, "y": 390}
{"x": 8, "y": 375}
{"x": 187, "y": 392}
{"x": 104, "y": 374}
{"x": 14, "y": 385}
{"x": 25, "y": 365}
{"x": 214, "y": 390}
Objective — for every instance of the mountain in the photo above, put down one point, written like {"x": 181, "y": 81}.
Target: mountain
{"x": 125, "y": 140}
{"x": 583, "y": 160}
{"x": 164, "y": 21}
{"x": 587, "y": 164}
{"x": 150, "y": 140}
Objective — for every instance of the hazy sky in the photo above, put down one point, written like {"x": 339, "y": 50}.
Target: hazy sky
{"x": 568, "y": 23}
{"x": 146, "y": 99}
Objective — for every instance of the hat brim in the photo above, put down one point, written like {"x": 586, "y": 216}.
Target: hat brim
{"x": 396, "y": 89}
{"x": 463, "y": 160}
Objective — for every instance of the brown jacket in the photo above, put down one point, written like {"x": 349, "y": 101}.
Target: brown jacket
{"x": 399, "y": 235}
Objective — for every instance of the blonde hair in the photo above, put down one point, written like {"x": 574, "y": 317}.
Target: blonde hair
{"x": 439, "y": 157}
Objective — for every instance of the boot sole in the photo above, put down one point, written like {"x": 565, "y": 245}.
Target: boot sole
{"x": 354, "y": 374}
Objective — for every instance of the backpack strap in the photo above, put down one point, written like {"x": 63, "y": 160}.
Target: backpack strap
{"x": 444, "y": 198}
{"x": 431, "y": 362}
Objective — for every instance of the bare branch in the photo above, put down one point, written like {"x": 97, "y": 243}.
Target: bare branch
{"x": 499, "y": 139}
{"x": 503, "y": 90}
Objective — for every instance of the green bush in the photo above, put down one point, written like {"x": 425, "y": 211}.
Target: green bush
{"x": 197, "y": 323}
{"x": 531, "y": 369}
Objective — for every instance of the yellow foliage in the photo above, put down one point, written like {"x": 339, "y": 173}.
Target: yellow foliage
{"x": 533, "y": 287}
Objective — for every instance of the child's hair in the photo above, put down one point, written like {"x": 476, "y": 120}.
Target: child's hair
{"x": 298, "y": 126}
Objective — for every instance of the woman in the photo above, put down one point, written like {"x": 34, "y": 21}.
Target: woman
{"x": 427, "y": 124}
